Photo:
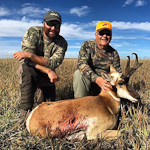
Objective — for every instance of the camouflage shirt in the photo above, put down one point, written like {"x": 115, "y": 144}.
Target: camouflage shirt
{"x": 92, "y": 61}
{"x": 34, "y": 42}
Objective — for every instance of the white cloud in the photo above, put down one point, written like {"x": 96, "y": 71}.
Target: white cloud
{"x": 116, "y": 45}
{"x": 124, "y": 37}
{"x": 128, "y": 25}
{"x": 127, "y": 2}
{"x": 140, "y": 3}
{"x": 15, "y": 28}
{"x": 76, "y": 31}
{"x": 28, "y": 4}
{"x": 137, "y": 3}
{"x": 32, "y": 10}
{"x": 146, "y": 38}
{"x": 123, "y": 44}
{"x": 28, "y": 9}
{"x": 4, "y": 11}
{"x": 82, "y": 11}
{"x": 74, "y": 47}
{"x": 142, "y": 50}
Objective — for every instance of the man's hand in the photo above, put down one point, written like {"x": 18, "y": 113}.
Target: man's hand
{"x": 22, "y": 55}
{"x": 53, "y": 76}
{"x": 103, "y": 84}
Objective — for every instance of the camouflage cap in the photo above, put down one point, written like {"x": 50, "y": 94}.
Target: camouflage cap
{"x": 52, "y": 15}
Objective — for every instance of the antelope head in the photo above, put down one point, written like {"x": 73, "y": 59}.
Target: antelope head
{"x": 121, "y": 81}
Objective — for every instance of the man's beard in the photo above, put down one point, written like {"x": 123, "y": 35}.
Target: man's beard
{"x": 47, "y": 32}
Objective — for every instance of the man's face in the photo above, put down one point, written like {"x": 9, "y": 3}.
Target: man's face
{"x": 51, "y": 29}
{"x": 103, "y": 38}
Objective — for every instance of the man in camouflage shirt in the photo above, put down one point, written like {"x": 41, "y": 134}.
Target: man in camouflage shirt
{"x": 94, "y": 59}
{"x": 43, "y": 50}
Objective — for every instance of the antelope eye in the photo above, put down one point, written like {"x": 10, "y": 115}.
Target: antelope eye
{"x": 120, "y": 83}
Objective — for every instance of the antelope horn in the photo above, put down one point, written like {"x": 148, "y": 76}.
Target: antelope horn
{"x": 129, "y": 71}
{"x": 127, "y": 66}
{"x": 136, "y": 60}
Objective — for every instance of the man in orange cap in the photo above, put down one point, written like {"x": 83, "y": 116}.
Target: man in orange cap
{"x": 94, "y": 58}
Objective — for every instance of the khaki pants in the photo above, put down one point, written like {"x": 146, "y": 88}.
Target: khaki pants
{"x": 32, "y": 79}
{"x": 83, "y": 87}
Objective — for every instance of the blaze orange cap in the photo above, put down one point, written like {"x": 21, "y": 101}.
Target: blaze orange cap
{"x": 103, "y": 25}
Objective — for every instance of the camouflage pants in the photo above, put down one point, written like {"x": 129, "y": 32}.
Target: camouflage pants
{"x": 33, "y": 81}
{"x": 83, "y": 87}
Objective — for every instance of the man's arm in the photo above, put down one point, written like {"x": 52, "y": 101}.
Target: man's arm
{"x": 27, "y": 55}
{"x": 52, "y": 62}
{"x": 51, "y": 74}
{"x": 31, "y": 39}
{"x": 86, "y": 70}
{"x": 83, "y": 62}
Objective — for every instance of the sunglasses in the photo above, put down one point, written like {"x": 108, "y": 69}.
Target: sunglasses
{"x": 49, "y": 23}
{"x": 102, "y": 33}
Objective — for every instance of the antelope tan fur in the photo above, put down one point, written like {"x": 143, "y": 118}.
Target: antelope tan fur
{"x": 90, "y": 117}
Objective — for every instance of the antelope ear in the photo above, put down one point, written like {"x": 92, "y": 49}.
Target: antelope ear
{"x": 112, "y": 69}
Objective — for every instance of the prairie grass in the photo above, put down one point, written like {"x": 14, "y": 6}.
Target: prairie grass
{"x": 134, "y": 124}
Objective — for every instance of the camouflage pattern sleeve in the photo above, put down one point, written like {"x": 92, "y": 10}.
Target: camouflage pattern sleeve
{"x": 58, "y": 55}
{"x": 29, "y": 44}
{"x": 116, "y": 62}
{"x": 83, "y": 62}
{"x": 29, "y": 40}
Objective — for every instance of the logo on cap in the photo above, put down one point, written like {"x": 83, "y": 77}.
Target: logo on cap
{"x": 104, "y": 24}
{"x": 54, "y": 14}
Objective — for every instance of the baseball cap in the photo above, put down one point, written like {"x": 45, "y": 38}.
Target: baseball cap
{"x": 103, "y": 25}
{"x": 52, "y": 15}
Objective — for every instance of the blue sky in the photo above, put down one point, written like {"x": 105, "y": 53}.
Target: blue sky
{"x": 130, "y": 21}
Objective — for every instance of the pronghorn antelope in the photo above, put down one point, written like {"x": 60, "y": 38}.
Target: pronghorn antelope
{"x": 91, "y": 116}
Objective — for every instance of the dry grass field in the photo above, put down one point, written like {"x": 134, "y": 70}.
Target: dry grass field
{"x": 135, "y": 126}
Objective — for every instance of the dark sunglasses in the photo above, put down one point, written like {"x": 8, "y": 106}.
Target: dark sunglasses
{"x": 49, "y": 23}
{"x": 102, "y": 33}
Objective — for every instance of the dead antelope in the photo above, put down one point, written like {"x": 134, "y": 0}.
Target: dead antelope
{"x": 91, "y": 116}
